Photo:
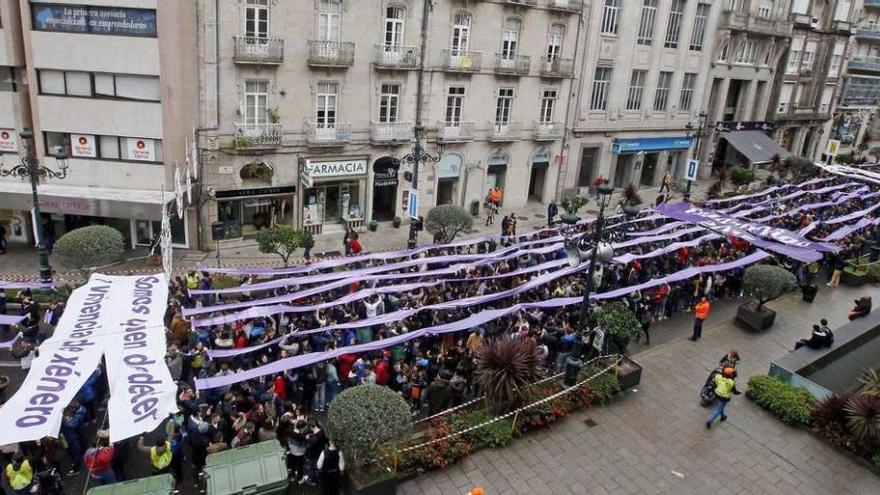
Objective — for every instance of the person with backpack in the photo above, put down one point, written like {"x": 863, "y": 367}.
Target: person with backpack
{"x": 20, "y": 474}
{"x": 331, "y": 465}
{"x": 725, "y": 389}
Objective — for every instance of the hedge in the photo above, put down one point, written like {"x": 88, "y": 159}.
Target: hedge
{"x": 790, "y": 404}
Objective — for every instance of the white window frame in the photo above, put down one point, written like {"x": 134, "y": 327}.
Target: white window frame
{"x": 503, "y": 107}
{"x": 636, "y": 90}
{"x": 601, "y": 89}
{"x": 462, "y": 23}
{"x": 673, "y": 23}
{"x": 610, "y": 17}
{"x": 686, "y": 96}
{"x": 395, "y": 26}
{"x": 548, "y": 105}
{"x": 389, "y": 103}
{"x": 256, "y": 20}
{"x": 698, "y": 35}
{"x": 661, "y": 95}
{"x": 256, "y": 101}
{"x": 647, "y": 20}
{"x": 510, "y": 38}
{"x": 454, "y": 105}
{"x": 327, "y": 105}
{"x": 555, "y": 38}
{"x": 809, "y": 57}
{"x": 329, "y": 20}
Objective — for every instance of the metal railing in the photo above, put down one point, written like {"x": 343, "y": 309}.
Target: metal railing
{"x": 865, "y": 63}
{"x": 522, "y": 2}
{"x": 331, "y": 53}
{"x": 455, "y": 131}
{"x": 547, "y": 131}
{"x": 328, "y": 134}
{"x": 257, "y": 135}
{"x": 872, "y": 3}
{"x": 256, "y": 50}
{"x": 504, "y": 131}
{"x": 516, "y": 64}
{"x": 557, "y": 67}
{"x": 462, "y": 60}
{"x": 868, "y": 32}
{"x": 391, "y": 131}
{"x": 397, "y": 56}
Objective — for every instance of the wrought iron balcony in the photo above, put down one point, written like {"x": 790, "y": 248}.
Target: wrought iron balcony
{"x": 321, "y": 134}
{"x": 331, "y": 53}
{"x": 461, "y": 60}
{"x": 504, "y": 131}
{"x": 868, "y": 33}
{"x": 518, "y": 65}
{"x": 249, "y": 136}
{"x": 396, "y": 57}
{"x": 452, "y": 132}
{"x": 872, "y": 3}
{"x": 865, "y": 64}
{"x": 547, "y": 131}
{"x": 557, "y": 67}
{"x": 530, "y": 3}
{"x": 255, "y": 50}
{"x": 390, "y": 132}
{"x": 768, "y": 26}
{"x": 567, "y": 5}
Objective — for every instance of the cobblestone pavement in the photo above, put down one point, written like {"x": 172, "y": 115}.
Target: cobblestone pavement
{"x": 646, "y": 436}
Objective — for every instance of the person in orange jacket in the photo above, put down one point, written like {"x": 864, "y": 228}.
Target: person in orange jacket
{"x": 701, "y": 312}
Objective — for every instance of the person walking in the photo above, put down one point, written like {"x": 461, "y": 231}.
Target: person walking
{"x": 667, "y": 181}
{"x": 552, "y": 211}
{"x": 725, "y": 389}
{"x": 331, "y": 465}
{"x": 491, "y": 209}
{"x": 701, "y": 312}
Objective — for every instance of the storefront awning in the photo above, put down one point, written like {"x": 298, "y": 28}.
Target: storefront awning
{"x": 650, "y": 144}
{"x": 755, "y": 146}
{"x": 86, "y": 201}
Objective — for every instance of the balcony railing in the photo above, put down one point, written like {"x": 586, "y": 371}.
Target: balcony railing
{"x": 516, "y": 64}
{"x": 386, "y": 132}
{"x": 872, "y": 3}
{"x": 870, "y": 64}
{"x": 567, "y": 5}
{"x": 331, "y": 53}
{"x": 461, "y": 60}
{"x": 504, "y": 131}
{"x": 547, "y": 131}
{"x": 869, "y": 33}
{"x": 738, "y": 21}
{"x": 455, "y": 131}
{"x": 396, "y": 57}
{"x": 557, "y": 67}
{"x": 257, "y": 136}
{"x": 254, "y": 50}
{"x": 522, "y": 2}
{"x": 321, "y": 134}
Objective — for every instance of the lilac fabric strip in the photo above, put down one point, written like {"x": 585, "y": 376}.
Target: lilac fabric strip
{"x": 468, "y": 323}
{"x": 11, "y": 319}
{"x": 852, "y": 216}
{"x": 10, "y": 284}
{"x": 742, "y": 197}
{"x": 675, "y": 246}
{"x": 849, "y": 229}
{"x": 9, "y": 344}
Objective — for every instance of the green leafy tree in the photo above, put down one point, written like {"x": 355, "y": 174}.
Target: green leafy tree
{"x": 767, "y": 283}
{"x": 800, "y": 167}
{"x": 571, "y": 204}
{"x": 619, "y": 323}
{"x": 505, "y": 370}
{"x": 742, "y": 176}
{"x": 90, "y": 247}
{"x": 283, "y": 240}
{"x": 445, "y": 222}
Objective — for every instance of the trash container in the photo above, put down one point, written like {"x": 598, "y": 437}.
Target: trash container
{"x": 162, "y": 484}
{"x": 475, "y": 208}
{"x": 260, "y": 468}
{"x": 809, "y": 292}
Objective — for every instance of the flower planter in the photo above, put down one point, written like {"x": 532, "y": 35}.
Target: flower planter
{"x": 387, "y": 486}
{"x": 853, "y": 279}
{"x": 758, "y": 320}
{"x": 629, "y": 373}
{"x": 569, "y": 218}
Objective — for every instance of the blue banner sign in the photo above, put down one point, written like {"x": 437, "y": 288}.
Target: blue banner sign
{"x": 94, "y": 19}
{"x": 620, "y": 146}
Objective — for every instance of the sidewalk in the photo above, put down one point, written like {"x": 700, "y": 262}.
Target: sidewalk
{"x": 21, "y": 263}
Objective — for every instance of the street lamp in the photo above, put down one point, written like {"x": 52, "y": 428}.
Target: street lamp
{"x": 30, "y": 168}
{"x": 697, "y": 133}
{"x": 419, "y": 157}
{"x": 578, "y": 251}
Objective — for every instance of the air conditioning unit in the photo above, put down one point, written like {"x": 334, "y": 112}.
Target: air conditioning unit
{"x": 814, "y": 23}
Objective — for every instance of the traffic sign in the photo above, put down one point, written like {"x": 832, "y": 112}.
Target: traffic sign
{"x": 412, "y": 204}
{"x": 832, "y": 147}
{"x": 693, "y": 167}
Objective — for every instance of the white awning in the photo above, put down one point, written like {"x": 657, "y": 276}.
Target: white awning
{"x": 87, "y": 201}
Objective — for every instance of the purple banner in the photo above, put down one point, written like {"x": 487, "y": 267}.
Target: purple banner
{"x": 9, "y": 344}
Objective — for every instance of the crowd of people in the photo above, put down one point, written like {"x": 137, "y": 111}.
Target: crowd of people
{"x": 432, "y": 372}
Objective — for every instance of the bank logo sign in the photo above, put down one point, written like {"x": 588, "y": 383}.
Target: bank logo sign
{"x": 336, "y": 168}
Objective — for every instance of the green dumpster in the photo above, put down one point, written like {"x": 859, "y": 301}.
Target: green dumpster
{"x": 256, "y": 469}
{"x": 154, "y": 485}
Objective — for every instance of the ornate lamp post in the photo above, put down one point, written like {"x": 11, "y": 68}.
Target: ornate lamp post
{"x": 597, "y": 251}
{"x": 697, "y": 133}
{"x": 30, "y": 168}
{"x": 419, "y": 157}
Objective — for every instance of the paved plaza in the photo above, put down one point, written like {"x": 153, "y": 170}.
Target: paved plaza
{"x": 654, "y": 440}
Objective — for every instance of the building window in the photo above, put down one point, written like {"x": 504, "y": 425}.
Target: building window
{"x": 765, "y": 8}
{"x": 723, "y": 53}
{"x": 610, "y": 12}
{"x": 510, "y": 39}
{"x": 747, "y": 52}
{"x": 554, "y": 41}
{"x": 661, "y": 96}
{"x": 394, "y": 24}
{"x": 699, "y": 32}
{"x": 325, "y": 108}
{"x": 809, "y": 56}
{"x": 103, "y": 147}
{"x": 7, "y": 79}
{"x": 636, "y": 88}
{"x": 735, "y": 5}
{"x": 329, "y": 20}
{"x": 256, "y": 19}
{"x": 646, "y": 22}
{"x": 836, "y": 60}
{"x": 461, "y": 33}
{"x": 503, "y": 104}
{"x": 601, "y": 88}
{"x": 256, "y": 101}
{"x": 454, "y": 104}
{"x": 99, "y": 85}
{"x": 673, "y": 24}
{"x": 389, "y": 103}
{"x": 687, "y": 92}
{"x": 794, "y": 58}
{"x": 548, "y": 102}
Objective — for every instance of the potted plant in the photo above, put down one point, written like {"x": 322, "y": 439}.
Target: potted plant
{"x": 741, "y": 176}
{"x": 571, "y": 205}
{"x": 631, "y": 195}
{"x": 274, "y": 115}
{"x": 854, "y": 275}
{"x": 628, "y": 372}
{"x": 765, "y": 283}
{"x": 396, "y": 222}
{"x": 619, "y": 323}
{"x": 368, "y": 423}
{"x": 505, "y": 370}
{"x": 373, "y": 225}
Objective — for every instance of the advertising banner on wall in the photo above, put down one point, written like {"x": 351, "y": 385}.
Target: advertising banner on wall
{"x": 94, "y": 19}
{"x": 83, "y": 145}
{"x": 140, "y": 149}
{"x": 8, "y": 143}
